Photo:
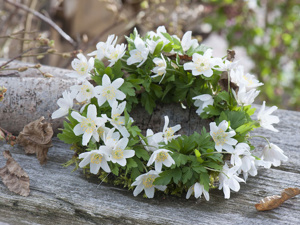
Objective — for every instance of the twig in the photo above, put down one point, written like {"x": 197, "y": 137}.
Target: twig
{"x": 45, "y": 19}
{"x": 18, "y": 56}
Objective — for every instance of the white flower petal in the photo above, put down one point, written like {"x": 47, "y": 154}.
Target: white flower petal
{"x": 149, "y": 192}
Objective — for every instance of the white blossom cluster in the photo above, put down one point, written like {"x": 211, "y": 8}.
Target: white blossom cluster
{"x": 93, "y": 127}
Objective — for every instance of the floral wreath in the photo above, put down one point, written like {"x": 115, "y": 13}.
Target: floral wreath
{"x": 164, "y": 68}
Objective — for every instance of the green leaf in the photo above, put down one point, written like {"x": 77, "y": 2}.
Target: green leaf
{"x": 212, "y": 110}
{"x": 148, "y": 102}
{"x": 204, "y": 180}
{"x": 187, "y": 174}
{"x": 222, "y": 96}
{"x": 158, "y": 48}
{"x": 213, "y": 165}
{"x": 236, "y": 118}
{"x": 127, "y": 89}
{"x": 168, "y": 47}
{"x": 156, "y": 89}
{"x": 180, "y": 159}
{"x": 117, "y": 69}
{"x": 99, "y": 65}
{"x": 142, "y": 153}
{"x": 114, "y": 168}
{"x": 135, "y": 172}
{"x": 131, "y": 164}
{"x": 197, "y": 167}
{"x": 166, "y": 176}
{"x": 134, "y": 130}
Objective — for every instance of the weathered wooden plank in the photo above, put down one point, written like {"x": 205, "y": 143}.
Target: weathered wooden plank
{"x": 61, "y": 197}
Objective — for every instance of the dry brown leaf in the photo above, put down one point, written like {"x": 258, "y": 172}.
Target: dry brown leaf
{"x": 14, "y": 177}
{"x": 272, "y": 202}
{"x": 36, "y": 138}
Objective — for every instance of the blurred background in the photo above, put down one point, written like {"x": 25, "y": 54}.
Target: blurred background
{"x": 264, "y": 34}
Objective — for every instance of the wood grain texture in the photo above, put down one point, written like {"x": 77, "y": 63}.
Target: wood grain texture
{"x": 30, "y": 96}
{"x": 60, "y": 197}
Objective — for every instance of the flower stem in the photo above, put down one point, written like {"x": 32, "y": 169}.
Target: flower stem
{"x": 263, "y": 138}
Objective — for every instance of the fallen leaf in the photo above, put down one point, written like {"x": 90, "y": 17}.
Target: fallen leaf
{"x": 272, "y": 202}
{"x": 14, "y": 177}
{"x": 36, "y": 138}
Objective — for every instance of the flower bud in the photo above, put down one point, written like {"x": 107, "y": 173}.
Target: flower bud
{"x": 2, "y": 135}
{"x": 51, "y": 50}
{"x": 47, "y": 75}
{"x": 22, "y": 69}
{"x": 40, "y": 57}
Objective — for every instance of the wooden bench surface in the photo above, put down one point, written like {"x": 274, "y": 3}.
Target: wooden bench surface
{"x": 59, "y": 196}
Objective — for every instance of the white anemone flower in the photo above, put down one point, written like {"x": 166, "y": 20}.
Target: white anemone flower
{"x": 227, "y": 65}
{"x": 160, "y": 69}
{"x": 239, "y": 150}
{"x": 222, "y": 138}
{"x": 265, "y": 118}
{"x": 244, "y": 97}
{"x": 238, "y": 77}
{"x": 97, "y": 159}
{"x": 159, "y": 33}
{"x": 139, "y": 54}
{"x": 229, "y": 179}
{"x": 108, "y": 91}
{"x": 110, "y": 135}
{"x": 88, "y": 126}
{"x": 116, "y": 119}
{"x": 168, "y": 132}
{"x": 151, "y": 44}
{"x": 145, "y": 182}
{"x": 202, "y": 64}
{"x": 153, "y": 140}
{"x": 161, "y": 157}
{"x": 117, "y": 152}
{"x": 248, "y": 165}
{"x": 82, "y": 67}
{"x": 84, "y": 92}
{"x": 202, "y": 101}
{"x": 188, "y": 42}
{"x": 115, "y": 53}
{"x": 197, "y": 189}
{"x": 273, "y": 154}
{"x": 65, "y": 103}
{"x": 103, "y": 46}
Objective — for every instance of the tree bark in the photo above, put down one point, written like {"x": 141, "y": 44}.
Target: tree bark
{"x": 30, "y": 96}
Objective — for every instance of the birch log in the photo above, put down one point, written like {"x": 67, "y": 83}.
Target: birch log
{"x": 30, "y": 96}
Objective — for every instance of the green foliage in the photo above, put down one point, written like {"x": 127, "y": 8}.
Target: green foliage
{"x": 195, "y": 157}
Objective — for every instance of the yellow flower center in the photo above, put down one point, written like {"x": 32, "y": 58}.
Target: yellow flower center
{"x": 202, "y": 64}
{"x": 250, "y": 81}
{"x": 138, "y": 55}
{"x": 169, "y": 133}
{"x": 114, "y": 55}
{"x": 100, "y": 131}
{"x": 162, "y": 156}
{"x": 88, "y": 125}
{"x": 86, "y": 91}
{"x": 220, "y": 137}
{"x": 81, "y": 68}
{"x": 148, "y": 181}
{"x": 109, "y": 92}
{"x": 116, "y": 119}
{"x": 96, "y": 158}
{"x": 160, "y": 73}
{"x": 118, "y": 153}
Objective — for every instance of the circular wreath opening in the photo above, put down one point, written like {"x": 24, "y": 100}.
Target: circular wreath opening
{"x": 113, "y": 138}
